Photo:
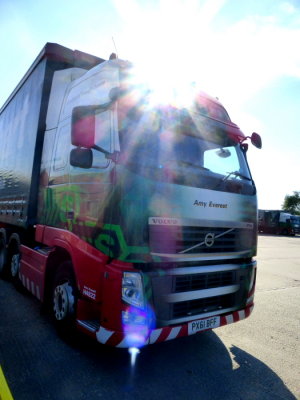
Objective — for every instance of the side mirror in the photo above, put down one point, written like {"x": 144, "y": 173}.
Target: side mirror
{"x": 83, "y": 126}
{"x": 256, "y": 140}
{"x": 82, "y": 158}
{"x": 223, "y": 153}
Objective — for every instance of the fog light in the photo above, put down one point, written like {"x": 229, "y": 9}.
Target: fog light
{"x": 135, "y": 326}
{"x": 134, "y": 318}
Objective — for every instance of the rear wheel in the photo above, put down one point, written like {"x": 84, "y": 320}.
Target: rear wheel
{"x": 14, "y": 259}
{"x": 64, "y": 297}
{"x": 3, "y": 266}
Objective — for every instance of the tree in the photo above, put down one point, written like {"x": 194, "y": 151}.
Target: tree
{"x": 291, "y": 203}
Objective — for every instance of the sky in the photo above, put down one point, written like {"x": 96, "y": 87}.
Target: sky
{"x": 246, "y": 53}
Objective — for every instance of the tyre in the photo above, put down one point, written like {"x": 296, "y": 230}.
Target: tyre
{"x": 15, "y": 266}
{"x": 3, "y": 265}
{"x": 14, "y": 259}
{"x": 64, "y": 298}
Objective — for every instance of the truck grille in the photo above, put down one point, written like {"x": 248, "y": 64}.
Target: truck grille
{"x": 186, "y": 283}
{"x": 199, "y": 306}
{"x": 191, "y": 239}
{"x": 183, "y": 293}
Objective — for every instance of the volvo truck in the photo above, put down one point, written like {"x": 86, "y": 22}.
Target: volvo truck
{"x": 134, "y": 221}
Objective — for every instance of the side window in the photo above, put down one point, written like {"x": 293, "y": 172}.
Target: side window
{"x": 103, "y": 138}
{"x": 62, "y": 148}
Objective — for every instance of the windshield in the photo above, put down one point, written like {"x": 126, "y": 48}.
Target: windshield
{"x": 171, "y": 148}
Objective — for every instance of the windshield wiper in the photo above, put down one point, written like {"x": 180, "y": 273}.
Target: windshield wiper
{"x": 237, "y": 174}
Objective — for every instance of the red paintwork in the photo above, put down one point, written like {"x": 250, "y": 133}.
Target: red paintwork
{"x": 33, "y": 267}
{"x": 234, "y": 133}
{"x": 39, "y": 233}
{"x": 96, "y": 271}
{"x": 83, "y": 132}
{"x": 92, "y": 268}
{"x": 88, "y": 262}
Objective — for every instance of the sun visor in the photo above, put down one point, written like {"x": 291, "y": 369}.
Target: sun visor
{"x": 217, "y": 131}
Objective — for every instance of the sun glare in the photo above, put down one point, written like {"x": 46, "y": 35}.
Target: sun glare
{"x": 177, "y": 42}
{"x": 159, "y": 83}
{"x": 169, "y": 46}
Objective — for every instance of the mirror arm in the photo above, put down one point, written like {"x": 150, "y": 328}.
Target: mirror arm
{"x": 110, "y": 156}
{"x": 98, "y": 148}
{"x": 104, "y": 106}
{"x": 245, "y": 138}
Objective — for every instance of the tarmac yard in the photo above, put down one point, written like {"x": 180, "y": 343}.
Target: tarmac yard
{"x": 257, "y": 358}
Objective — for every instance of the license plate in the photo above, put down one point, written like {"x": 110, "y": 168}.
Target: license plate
{"x": 203, "y": 324}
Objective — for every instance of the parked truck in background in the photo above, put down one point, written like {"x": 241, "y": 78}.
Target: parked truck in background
{"x": 135, "y": 222}
{"x": 277, "y": 222}
{"x": 295, "y": 221}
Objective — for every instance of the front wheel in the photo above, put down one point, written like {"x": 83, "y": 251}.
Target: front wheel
{"x": 15, "y": 266}
{"x": 64, "y": 297}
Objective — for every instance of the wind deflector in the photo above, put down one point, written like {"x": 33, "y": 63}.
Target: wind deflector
{"x": 56, "y": 52}
{"x": 76, "y": 58}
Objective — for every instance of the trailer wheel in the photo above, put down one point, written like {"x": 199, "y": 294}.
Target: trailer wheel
{"x": 64, "y": 297}
{"x": 14, "y": 259}
{"x": 3, "y": 267}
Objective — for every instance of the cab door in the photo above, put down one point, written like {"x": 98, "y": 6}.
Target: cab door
{"x": 55, "y": 179}
{"x": 91, "y": 189}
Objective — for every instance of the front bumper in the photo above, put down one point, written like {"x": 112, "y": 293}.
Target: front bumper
{"x": 119, "y": 339}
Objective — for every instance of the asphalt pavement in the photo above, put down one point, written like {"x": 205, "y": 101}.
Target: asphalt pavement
{"x": 255, "y": 359}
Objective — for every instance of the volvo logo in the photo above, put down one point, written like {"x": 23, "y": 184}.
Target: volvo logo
{"x": 209, "y": 239}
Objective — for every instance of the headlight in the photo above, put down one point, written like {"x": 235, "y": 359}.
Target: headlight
{"x": 132, "y": 289}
